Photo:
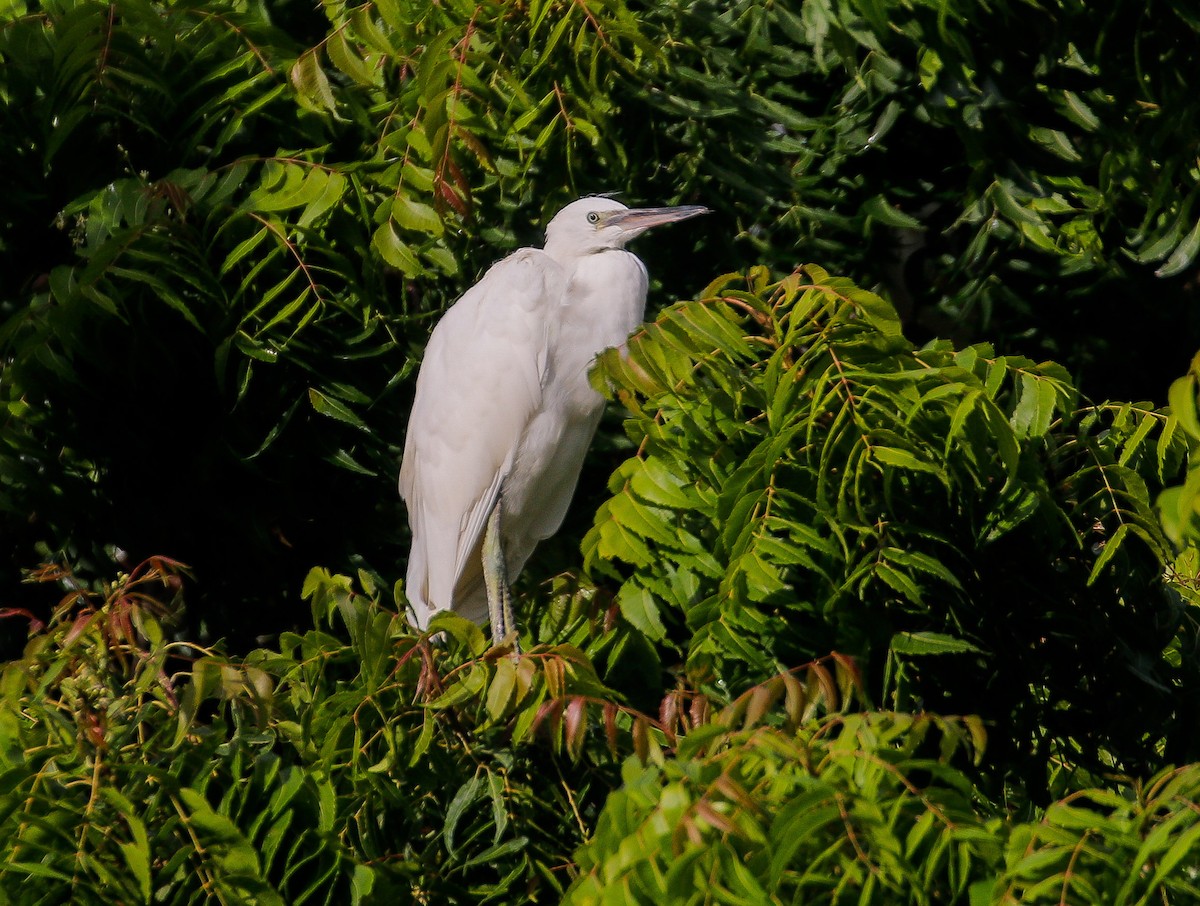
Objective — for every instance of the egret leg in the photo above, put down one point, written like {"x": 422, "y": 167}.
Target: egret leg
{"x": 495, "y": 578}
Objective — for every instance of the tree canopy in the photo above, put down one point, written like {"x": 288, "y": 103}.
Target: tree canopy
{"x": 881, "y": 582}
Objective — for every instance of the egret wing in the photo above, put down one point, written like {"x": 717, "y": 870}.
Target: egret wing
{"x": 479, "y": 386}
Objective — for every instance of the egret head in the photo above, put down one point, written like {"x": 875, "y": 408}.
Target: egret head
{"x": 596, "y": 223}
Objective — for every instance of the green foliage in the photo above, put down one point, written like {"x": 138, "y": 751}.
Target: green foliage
{"x": 1179, "y": 505}
{"x": 1095, "y": 846}
{"x": 360, "y": 763}
{"x": 104, "y": 801}
{"x": 828, "y": 814}
{"x": 149, "y": 363}
{"x": 355, "y": 763}
{"x": 849, "y": 811}
{"x": 210, "y": 297}
{"x": 808, "y": 480}
{"x": 1007, "y": 170}
{"x": 227, "y": 226}
{"x": 226, "y": 230}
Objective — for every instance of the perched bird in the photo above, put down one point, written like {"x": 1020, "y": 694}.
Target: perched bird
{"x": 504, "y": 413}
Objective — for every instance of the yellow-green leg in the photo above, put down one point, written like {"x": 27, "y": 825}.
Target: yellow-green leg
{"x": 495, "y": 579}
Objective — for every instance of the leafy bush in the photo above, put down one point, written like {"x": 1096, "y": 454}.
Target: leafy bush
{"x": 227, "y": 226}
{"x": 1178, "y": 504}
{"x": 217, "y": 307}
{"x": 1009, "y": 171}
{"x": 148, "y": 365}
{"x": 847, "y": 811}
{"x": 763, "y": 815}
{"x": 226, "y": 230}
{"x": 808, "y": 480}
{"x": 359, "y": 763}
{"x": 109, "y": 795}
{"x": 355, "y": 763}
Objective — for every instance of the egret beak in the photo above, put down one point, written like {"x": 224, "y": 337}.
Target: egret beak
{"x": 635, "y": 221}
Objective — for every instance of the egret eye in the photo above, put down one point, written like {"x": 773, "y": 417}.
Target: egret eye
{"x": 593, "y": 217}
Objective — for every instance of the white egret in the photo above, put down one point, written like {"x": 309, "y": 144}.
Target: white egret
{"x": 504, "y": 413}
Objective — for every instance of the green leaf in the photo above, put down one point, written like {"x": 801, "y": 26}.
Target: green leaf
{"x": 390, "y": 247}
{"x": 346, "y": 58}
{"x": 900, "y": 582}
{"x": 463, "y": 630}
{"x": 639, "y": 608}
{"x": 500, "y": 690}
{"x": 1183, "y": 255}
{"x": 879, "y": 209}
{"x": 413, "y": 215}
{"x": 313, "y": 90}
{"x": 1002, "y": 196}
{"x": 1183, "y": 402}
{"x": 1111, "y": 546}
{"x": 328, "y": 406}
{"x": 343, "y": 459}
{"x": 242, "y": 249}
{"x": 463, "y": 798}
{"x": 443, "y": 259}
{"x": 925, "y": 643}
{"x": 1036, "y": 403}
{"x": 893, "y": 456}
{"x": 136, "y": 853}
{"x": 362, "y": 883}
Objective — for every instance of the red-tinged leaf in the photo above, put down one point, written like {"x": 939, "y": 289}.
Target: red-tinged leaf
{"x": 552, "y": 711}
{"x": 812, "y": 692}
{"x": 735, "y": 792}
{"x": 481, "y": 152}
{"x": 714, "y": 818}
{"x": 610, "y": 615}
{"x": 700, "y": 711}
{"x": 48, "y": 572}
{"x": 460, "y": 179}
{"x": 687, "y": 827}
{"x": 794, "y": 699}
{"x": 435, "y": 685}
{"x": 95, "y": 731}
{"x": 35, "y": 625}
{"x": 555, "y": 677}
{"x": 78, "y": 627}
{"x": 610, "y": 726}
{"x": 641, "y": 739}
{"x": 572, "y": 657}
{"x": 849, "y": 676}
{"x": 733, "y": 712}
{"x": 121, "y": 627}
{"x": 668, "y": 714}
{"x": 161, "y": 564}
{"x": 760, "y": 701}
{"x": 827, "y": 686}
{"x": 447, "y": 194}
{"x": 576, "y": 725}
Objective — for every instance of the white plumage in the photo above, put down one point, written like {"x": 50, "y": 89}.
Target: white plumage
{"x": 504, "y": 413}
